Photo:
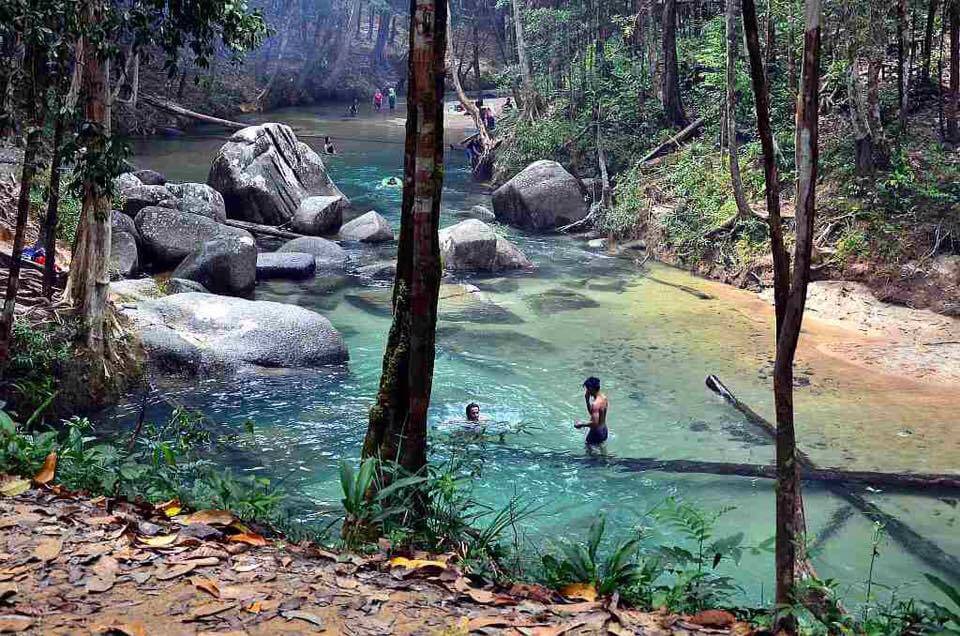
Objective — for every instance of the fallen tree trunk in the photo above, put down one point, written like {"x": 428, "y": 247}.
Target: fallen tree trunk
{"x": 681, "y": 136}
{"x": 180, "y": 111}
{"x": 927, "y": 551}
{"x": 256, "y": 228}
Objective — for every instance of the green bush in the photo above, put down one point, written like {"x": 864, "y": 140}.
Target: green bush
{"x": 36, "y": 353}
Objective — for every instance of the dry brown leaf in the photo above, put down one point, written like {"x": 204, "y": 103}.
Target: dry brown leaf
{"x": 212, "y": 517}
{"x": 100, "y": 521}
{"x": 481, "y": 596}
{"x": 492, "y": 621}
{"x": 13, "y": 486}
{"x": 207, "y": 585}
{"x": 582, "y": 591}
{"x": 13, "y": 623}
{"x": 254, "y": 608}
{"x": 345, "y": 583}
{"x": 246, "y": 567}
{"x": 238, "y": 592}
{"x": 713, "y": 618}
{"x": 250, "y": 538}
{"x": 7, "y": 590}
{"x": 173, "y": 572}
{"x": 106, "y": 566}
{"x": 285, "y": 561}
{"x": 304, "y": 616}
{"x": 161, "y": 541}
{"x": 45, "y": 476}
{"x": 209, "y": 609}
{"x": 557, "y": 630}
{"x": 573, "y": 608}
{"x": 206, "y": 551}
{"x": 133, "y": 628}
{"x": 98, "y": 584}
{"x": 48, "y": 549}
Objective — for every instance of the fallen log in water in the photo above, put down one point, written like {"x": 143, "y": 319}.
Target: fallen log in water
{"x": 268, "y": 230}
{"x": 180, "y": 111}
{"x": 919, "y": 546}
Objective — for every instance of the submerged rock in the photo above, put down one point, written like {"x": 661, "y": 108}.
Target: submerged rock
{"x": 295, "y": 265}
{"x": 224, "y": 265}
{"x": 169, "y": 235}
{"x": 543, "y": 196}
{"x": 473, "y": 245}
{"x": 264, "y": 173}
{"x": 328, "y": 254}
{"x": 319, "y": 215}
{"x": 367, "y": 228}
{"x": 201, "y": 333}
{"x": 381, "y": 270}
{"x": 559, "y": 299}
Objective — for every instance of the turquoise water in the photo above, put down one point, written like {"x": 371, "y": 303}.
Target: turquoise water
{"x": 522, "y": 353}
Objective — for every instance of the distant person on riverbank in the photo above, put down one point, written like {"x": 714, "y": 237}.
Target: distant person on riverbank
{"x": 328, "y": 146}
{"x": 392, "y": 97}
{"x": 508, "y": 105}
{"x": 354, "y": 107}
{"x": 378, "y": 100}
{"x": 597, "y": 404}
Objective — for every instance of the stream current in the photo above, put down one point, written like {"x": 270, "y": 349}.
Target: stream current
{"x": 523, "y": 358}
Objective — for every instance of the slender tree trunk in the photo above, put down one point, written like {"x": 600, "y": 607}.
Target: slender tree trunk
{"x": 476, "y": 57}
{"x": 530, "y": 105}
{"x": 383, "y": 31}
{"x": 926, "y": 49}
{"x": 89, "y": 282}
{"x": 670, "y": 93}
{"x": 398, "y": 421}
{"x": 864, "y": 139}
{"x": 952, "y": 113}
{"x": 792, "y": 53}
{"x": 903, "y": 76}
{"x": 29, "y": 169}
{"x": 731, "y": 10}
{"x": 770, "y": 46}
{"x": 53, "y": 204}
{"x": 343, "y": 48}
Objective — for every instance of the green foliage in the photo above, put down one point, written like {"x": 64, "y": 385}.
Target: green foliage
{"x": 68, "y": 211}
{"x": 36, "y": 352}
{"x": 949, "y": 617}
{"x": 22, "y": 453}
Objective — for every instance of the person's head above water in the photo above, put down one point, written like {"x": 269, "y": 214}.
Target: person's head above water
{"x": 592, "y": 385}
{"x": 473, "y": 412}
{"x": 326, "y": 139}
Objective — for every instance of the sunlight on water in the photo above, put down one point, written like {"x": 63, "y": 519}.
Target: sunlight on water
{"x": 522, "y": 353}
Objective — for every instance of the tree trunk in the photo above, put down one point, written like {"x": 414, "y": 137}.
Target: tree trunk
{"x": 398, "y": 421}
{"x": 863, "y": 134}
{"x": 952, "y": 113}
{"x": 476, "y": 57}
{"x": 89, "y": 281}
{"x": 383, "y": 31}
{"x": 670, "y": 93}
{"x": 530, "y": 101}
{"x": 29, "y": 169}
{"x": 285, "y": 29}
{"x": 730, "y": 121}
{"x": 903, "y": 77}
{"x": 770, "y": 46}
{"x": 53, "y": 205}
{"x": 926, "y": 49}
{"x": 792, "y": 53}
{"x": 343, "y": 48}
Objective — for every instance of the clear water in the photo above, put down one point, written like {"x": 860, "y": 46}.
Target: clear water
{"x": 523, "y": 360}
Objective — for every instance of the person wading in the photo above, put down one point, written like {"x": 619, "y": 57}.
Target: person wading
{"x": 597, "y": 410}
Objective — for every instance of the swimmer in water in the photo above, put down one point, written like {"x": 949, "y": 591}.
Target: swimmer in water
{"x": 597, "y": 410}
{"x": 328, "y": 146}
{"x": 473, "y": 412}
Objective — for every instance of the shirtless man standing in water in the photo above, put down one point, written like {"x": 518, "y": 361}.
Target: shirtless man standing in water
{"x": 597, "y": 409}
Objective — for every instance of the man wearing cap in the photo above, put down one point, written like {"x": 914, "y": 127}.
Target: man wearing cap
{"x": 597, "y": 409}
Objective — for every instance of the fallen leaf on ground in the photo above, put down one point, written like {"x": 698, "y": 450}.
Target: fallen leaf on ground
{"x": 161, "y": 541}
{"x": 207, "y": 585}
{"x": 713, "y": 618}
{"x": 13, "y": 623}
{"x": 493, "y": 621}
{"x": 7, "y": 590}
{"x": 48, "y": 549}
{"x": 246, "y": 567}
{"x": 173, "y": 572}
{"x": 557, "y": 630}
{"x": 345, "y": 583}
{"x": 209, "y": 609}
{"x": 100, "y": 521}
{"x": 573, "y": 608}
{"x": 133, "y": 628}
{"x": 206, "y": 551}
{"x": 481, "y": 596}
{"x": 238, "y": 592}
{"x": 204, "y": 562}
{"x": 98, "y": 584}
{"x": 533, "y": 592}
{"x": 254, "y": 608}
{"x": 170, "y": 508}
{"x": 250, "y": 538}
{"x": 14, "y": 486}
{"x": 304, "y": 616}
{"x": 212, "y": 517}
{"x": 415, "y": 564}
{"x": 45, "y": 476}
{"x": 583, "y": 591}
{"x": 106, "y": 565}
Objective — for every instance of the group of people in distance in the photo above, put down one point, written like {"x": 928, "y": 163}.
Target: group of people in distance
{"x": 597, "y": 405}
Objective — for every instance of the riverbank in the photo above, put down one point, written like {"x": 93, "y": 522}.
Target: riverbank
{"x": 74, "y": 564}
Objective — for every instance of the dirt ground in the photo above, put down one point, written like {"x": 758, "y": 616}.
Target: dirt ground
{"x": 76, "y": 566}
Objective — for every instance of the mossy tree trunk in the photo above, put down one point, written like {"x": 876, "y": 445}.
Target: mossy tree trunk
{"x": 398, "y": 421}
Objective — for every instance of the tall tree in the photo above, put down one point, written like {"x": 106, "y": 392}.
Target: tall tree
{"x": 926, "y": 49}
{"x": 398, "y": 421}
{"x": 670, "y": 91}
{"x": 952, "y": 111}
{"x": 730, "y": 121}
{"x": 903, "y": 70}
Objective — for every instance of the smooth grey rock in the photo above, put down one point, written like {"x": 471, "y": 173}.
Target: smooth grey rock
{"x": 169, "y": 235}
{"x": 120, "y": 222}
{"x": 319, "y": 215}
{"x": 126, "y": 181}
{"x": 199, "y": 198}
{"x": 124, "y": 257}
{"x": 140, "y": 197}
{"x": 264, "y": 173}
{"x": 597, "y": 244}
{"x": 224, "y": 265}
{"x": 482, "y": 213}
{"x": 367, "y": 228}
{"x": 543, "y": 196}
{"x": 328, "y": 254}
{"x": 150, "y": 177}
{"x": 294, "y": 265}
{"x": 206, "y": 333}
{"x": 134, "y": 289}
{"x": 473, "y": 245}
{"x": 382, "y": 270}
{"x": 184, "y": 286}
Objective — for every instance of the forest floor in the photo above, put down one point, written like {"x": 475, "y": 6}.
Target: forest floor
{"x": 72, "y": 565}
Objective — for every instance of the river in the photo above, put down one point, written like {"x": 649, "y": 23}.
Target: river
{"x": 578, "y": 314}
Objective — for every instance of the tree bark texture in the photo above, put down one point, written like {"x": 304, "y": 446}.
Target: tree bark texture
{"x": 730, "y": 121}
{"x": 670, "y": 93}
{"x": 952, "y": 111}
{"x": 336, "y": 69}
{"x": 53, "y": 205}
{"x": 926, "y": 49}
{"x": 398, "y": 421}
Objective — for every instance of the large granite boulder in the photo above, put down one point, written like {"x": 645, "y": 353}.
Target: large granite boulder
{"x": 224, "y": 265}
{"x": 328, "y": 255}
{"x": 170, "y": 235}
{"x": 295, "y": 265}
{"x": 124, "y": 257}
{"x": 319, "y": 215}
{"x": 194, "y": 333}
{"x": 144, "y": 196}
{"x": 120, "y": 222}
{"x": 264, "y": 173}
{"x": 473, "y": 245}
{"x": 367, "y": 228}
{"x": 199, "y": 198}
{"x": 149, "y": 177}
{"x": 543, "y": 196}
{"x": 126, "y": 181}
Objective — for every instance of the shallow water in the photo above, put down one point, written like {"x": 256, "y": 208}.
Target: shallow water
{"x": 522, "y": 354}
